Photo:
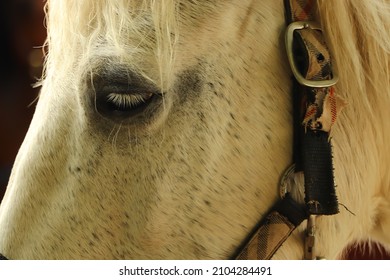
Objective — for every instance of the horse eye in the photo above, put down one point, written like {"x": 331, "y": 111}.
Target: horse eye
{"x": 125, "y": 98}
{"x": 128, "y": 101}
{"x": 116, "y": 99}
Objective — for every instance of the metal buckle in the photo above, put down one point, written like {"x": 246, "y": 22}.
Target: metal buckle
{"x": 310, "y": 253}
{"x": 298, "y": 25}
{"x": 310, "y": 240}
{"x": 283, "y": 184}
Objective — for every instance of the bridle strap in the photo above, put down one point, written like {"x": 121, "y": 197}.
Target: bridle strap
{"x": 315, "y": 112}
{"x": 299, "y": 10}
{"x": 315, "y": 106}
{"x": 273, "y": 231}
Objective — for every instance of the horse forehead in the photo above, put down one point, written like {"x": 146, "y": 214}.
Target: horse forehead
{"x": 136, "y": 35}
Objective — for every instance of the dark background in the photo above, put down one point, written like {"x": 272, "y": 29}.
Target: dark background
{"x": 23, "y": 34}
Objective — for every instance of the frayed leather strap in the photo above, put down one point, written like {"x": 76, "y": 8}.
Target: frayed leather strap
{"x": 315, "y": 110}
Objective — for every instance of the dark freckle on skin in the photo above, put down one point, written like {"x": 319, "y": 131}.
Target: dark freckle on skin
{"x": 95, "y": 236}
{"x": 211, "y": 85}
{"x": 73, "y": 170}
{"x": 201, "y": 116}
{"x": 208, "y": 203}
{"x": 109, "y": 233}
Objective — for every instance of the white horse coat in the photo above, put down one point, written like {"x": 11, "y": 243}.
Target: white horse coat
{"x": 190, "y": 176}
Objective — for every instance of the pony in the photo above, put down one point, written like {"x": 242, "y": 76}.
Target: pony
{"x": 163, "y": 127}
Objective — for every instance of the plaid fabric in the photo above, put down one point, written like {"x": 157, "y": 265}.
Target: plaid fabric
{"x": 319, "y": 67}
{"x": 322, "y": 114}
{"x": 302, "y": 10}
{"x": 268, "y": 238}
{"x": 322, "y": 108}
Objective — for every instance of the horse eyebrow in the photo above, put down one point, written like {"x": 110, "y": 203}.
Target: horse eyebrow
{"x": 119, "y": 73}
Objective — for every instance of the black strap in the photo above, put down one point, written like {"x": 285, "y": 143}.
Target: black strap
{"x": 292, "y": 210}
{"x": 312, "y": 146}
{"x": 320, "y": 193}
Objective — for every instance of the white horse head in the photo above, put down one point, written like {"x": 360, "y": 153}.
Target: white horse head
{"x": 163, "y": 128}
